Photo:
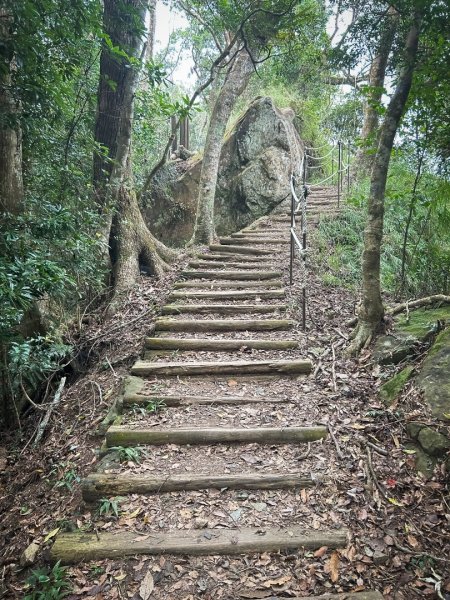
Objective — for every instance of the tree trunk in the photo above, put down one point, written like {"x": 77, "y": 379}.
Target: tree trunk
{"x": 127, "y": 235}
{"x": 371, "y": 311}
{"x": 11, "y": 185}
{"x": 377, "y": 73}
{"x": 234, "y": 84}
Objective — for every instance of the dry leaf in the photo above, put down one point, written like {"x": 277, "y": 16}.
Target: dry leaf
{"x": 147, "y": 586}
{"x": 334, "y": 567}
{"x": 320, "y": 552}
{"x": 232, "y": 383}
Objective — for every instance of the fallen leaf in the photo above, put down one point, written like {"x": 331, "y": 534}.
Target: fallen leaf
{"x": 334, "y": 567}
{"x": 52, "y": 533}
{"x": 321, "y": 551}
{"x": 412, "y": 541}
{"x": 232, "y": 383}
{"x": 147, "y": 586}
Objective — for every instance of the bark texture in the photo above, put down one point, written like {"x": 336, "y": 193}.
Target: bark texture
{"x": 377, "y": 74}
{"x": 236, "y": 81}
{"x": 371, "y": 310}
{"x": 131, "y": 243}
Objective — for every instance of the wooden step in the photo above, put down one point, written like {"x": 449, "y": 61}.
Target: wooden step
{"x": 342, "y": 596}
{"x": 142, "y": 400}
{"x": 209, "y": 345}
{"x": 267, "y": 235}
{"x": 211, "y": 285}
{"x": 224, "y": 324}
{"x": 238, "y": 275}
{"x": 76, "y": 547}
{"x": 99, "y": 485}
{"x": 239, "y": 249}
{"x": 229, "y": 294}
{"x": 240, "y": 367}
{"x": 126, "y": 437}
{"x": 229, "y": 257}
{"x": 252, "y": 241}
{"x": 177, "y": 309}
{"x": 199, "y": 264}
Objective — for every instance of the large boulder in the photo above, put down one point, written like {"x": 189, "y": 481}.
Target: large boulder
{"x": 258, "y": 157}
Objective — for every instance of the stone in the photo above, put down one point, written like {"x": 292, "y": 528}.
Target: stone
{"x": 410, "y": 332}
{"x": 258, "y": 156}
{"x": 28, "y": 556}
{"x": 433, "y": 442}
{"x": 434, "y": 377}
{"x": 413, "y": 428}
{"x": 390, "y": 390}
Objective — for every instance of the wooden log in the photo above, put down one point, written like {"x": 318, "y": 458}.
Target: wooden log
{"x": 141, "y": 400}
{"x": 239, "y": 275}
{"x": 342, "y": 596}
{"x": 251, "y": 241}
{"x": 229, "y": 294}
{"x": 241, "y": 367}
{"x": 224, "y": 324}
{"x": 118, "y": 435}
{"x": 267, "y": 234}
{"x": 239, "y": 249}
{"x": 200, "y": 264}
{"x": 76, "y": 547}
{"x": 211, "y": 285}
{"x": 229, "y": 257}
{"x": 208, "y": 345}
{"x": 99, "y": 485}
{"x": 177, "y": 309}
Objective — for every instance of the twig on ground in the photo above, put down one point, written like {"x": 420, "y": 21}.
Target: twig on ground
{"x": 55, "y": 402}
{"x": 373, "y": 474}
{"x": 306, "y": 454}
{"x": 111, "y": 367}
{"x": 336, "y": 443}
{"x": 333, "y": 369}
{"x": 377, "y": 449}
{"x": 408, "y": 551}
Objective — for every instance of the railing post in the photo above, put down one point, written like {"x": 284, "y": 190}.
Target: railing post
{"x": 339, "y": 171}
{"x": 291, "y": 264}
{"x": 304, "y": 200}
{"x": 348, "y": 165}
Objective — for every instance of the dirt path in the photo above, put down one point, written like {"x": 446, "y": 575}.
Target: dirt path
{"x": 249, "y": 459}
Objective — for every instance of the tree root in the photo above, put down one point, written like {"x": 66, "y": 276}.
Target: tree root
{"x": 362, "y": 335}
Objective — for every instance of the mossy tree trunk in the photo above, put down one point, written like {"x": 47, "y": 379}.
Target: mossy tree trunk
{"x": 234, "y": 84}
{"x": 126, "y": 234}
{"x": 371, "y": 311}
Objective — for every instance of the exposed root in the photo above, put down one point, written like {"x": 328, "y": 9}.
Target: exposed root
{"x": 362, "y": 335}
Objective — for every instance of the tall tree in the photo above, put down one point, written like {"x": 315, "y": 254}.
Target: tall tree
{"x": 123, "y": 51}
{"x": 371, "y": 310}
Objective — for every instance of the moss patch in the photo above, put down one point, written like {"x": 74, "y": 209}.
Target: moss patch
{"x": 392, "y": 388}
{"x": 421, "y": 321}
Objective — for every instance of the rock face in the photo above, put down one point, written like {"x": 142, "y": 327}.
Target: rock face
{"x": 434, "y": 377}
{"x": 257, "y": 160}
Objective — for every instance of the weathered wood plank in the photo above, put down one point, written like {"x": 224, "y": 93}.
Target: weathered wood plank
{"x": 162, "y": 324}
{"x": 230, "y": 258}
{"x": 251, "y": 241}
{"x": 209, "y": 264}
{"x": 211, "y": 285}
{"x": 75, "y": 547}
{"x": 342, "y": 596}
{"x": 141, "y": 400}
{"x": 123, "y": 436}
{"x": 99, "y": 485}
{"x": 239, "y": 275}
{"x": 177, "y": 309}
{"x": 239, "y": 249}
{"x": 208, "y": 345}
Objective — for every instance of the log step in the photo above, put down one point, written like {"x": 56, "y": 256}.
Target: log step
{"x": 176, "y": 309}
{"x": 228, "y": 284}
{"x": 239, "y": 275}
{"x": 229, "y": 294}
{"x": 141, "y": 400}
{"x": 224, "y": 324}
{"x": 99, "y": 485}
{"x": 126, "y": 437}
{"x": 199, "y": 264}
{"x": 236, "y": 367}
{"x": 255, "y": 240}
{"x": 208, "y": 345}
{"x": 239, "y": 249}
{"x": 75, "y": 547}
{"x": 229, "y": 257}
{"x": 257, "y": 234}
{"x": 341, "y": 596}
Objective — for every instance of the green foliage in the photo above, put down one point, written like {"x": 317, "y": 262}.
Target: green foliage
{"x": 67, "y": 476}
{"x": 128, "y": 454}
{"x": 110, "y": 506}
{"x": 48, "y": 584}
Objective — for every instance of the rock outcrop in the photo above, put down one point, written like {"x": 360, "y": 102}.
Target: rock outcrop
{"x": 258, "y": 157}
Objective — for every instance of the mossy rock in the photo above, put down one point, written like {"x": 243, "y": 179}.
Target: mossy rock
{"x": 424, "y": 463}
{"x": 433, "y": 442}
{"x": 417, "y": 328}
{"x": 434, "y": 377}
{"x": 392, "y": 388}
